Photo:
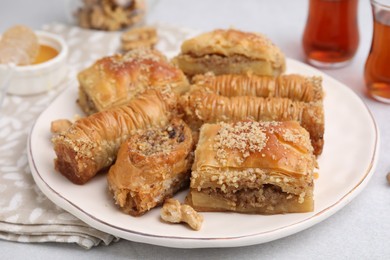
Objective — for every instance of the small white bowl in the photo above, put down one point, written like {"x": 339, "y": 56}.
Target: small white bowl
{"x": 38, "y": 78}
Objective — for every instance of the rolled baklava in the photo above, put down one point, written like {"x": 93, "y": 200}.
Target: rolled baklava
{"x": 151, "y": 166}
{"x": 253, "y": 167}
{"x": 114, "y": 80}
{"x": 91, "y": 143}
{"x": 230, "y": 52}
{"x": 202, "y": 106}
{"x": 293, "y": 86}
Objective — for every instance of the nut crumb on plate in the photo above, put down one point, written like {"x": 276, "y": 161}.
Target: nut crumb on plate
{"x": 60, "y": 125}
{"x": 174, "y": 212}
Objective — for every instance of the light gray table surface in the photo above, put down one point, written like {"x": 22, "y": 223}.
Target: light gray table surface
{"x": 361, "y": 230}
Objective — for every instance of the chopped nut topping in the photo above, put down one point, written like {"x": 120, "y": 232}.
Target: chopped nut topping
{"x": 142, "y": 54}
{"x": 245, "y": 137}
{"x": 157, "y": 141}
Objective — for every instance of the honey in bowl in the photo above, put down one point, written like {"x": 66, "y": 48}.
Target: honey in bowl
{"x": 45, "y": 53}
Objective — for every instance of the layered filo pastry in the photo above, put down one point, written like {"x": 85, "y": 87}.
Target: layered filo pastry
{"x": 230, "y": 52}
{"x": 253, "y": 167}
{"x": 203, "y": 106}
{"x": 114, "y": 80}
{"x": 292, "y": 86}
{"x": 151, "y": 166}
{"x": 91, "y": 144}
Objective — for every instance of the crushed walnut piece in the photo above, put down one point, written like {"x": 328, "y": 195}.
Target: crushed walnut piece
{"x": 143, "y": 37}
{"x": 174, "y": 212}
{"x": 60, "y": 125}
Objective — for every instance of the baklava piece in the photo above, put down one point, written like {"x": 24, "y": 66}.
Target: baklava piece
{"x": 253, "y": 167}
{"x": 230, "y": 52}
{"x": 114, "y": 80}
{"x": 202, "y": 106}
{"x": 293, "y": 86}
{"x": 151, "y": 166}
{"x": 91, "y": 143}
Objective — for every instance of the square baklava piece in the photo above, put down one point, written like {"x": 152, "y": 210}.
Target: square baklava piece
{"x": 230, "y": 52}
{"x": 253, "y": 167}
{"x": 113, "y": 81}
{"x": 151, "y": 166}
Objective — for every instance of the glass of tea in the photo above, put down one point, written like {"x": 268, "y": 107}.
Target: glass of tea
{"x": 377, "y": 68}
{"x": 331, "y": 35}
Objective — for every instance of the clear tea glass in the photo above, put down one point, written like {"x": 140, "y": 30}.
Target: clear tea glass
{"x": 331, "y": 35}
{"x": 377, "y": 68}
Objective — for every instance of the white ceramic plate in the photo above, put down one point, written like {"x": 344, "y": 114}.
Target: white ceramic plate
{"x": 346, "y": 165}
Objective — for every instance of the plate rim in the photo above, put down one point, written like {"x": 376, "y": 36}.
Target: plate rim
{"x": 204, "y": 242}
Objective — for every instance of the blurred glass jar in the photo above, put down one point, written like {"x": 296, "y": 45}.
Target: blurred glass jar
{"x": 331, "y": 36}
{"x": 108, "y": 15}
{"x": 377, "y": 68}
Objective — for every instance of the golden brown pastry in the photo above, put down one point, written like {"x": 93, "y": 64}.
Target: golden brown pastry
{"x": 151, "y": 166}
{"x": 91, "y": 143}
{"x": 253, "y": 167}
{"x": 113, "y": 81}
{"x": 293, "y": 86}
{"x": 230, "y": 52}
{"x": 201, "y": 106}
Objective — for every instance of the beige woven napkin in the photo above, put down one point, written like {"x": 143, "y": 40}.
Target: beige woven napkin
{"x": 26, "y": 214}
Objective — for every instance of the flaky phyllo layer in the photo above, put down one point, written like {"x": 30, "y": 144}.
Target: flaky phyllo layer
{"x": 151, "y": 166}
{"x": 203, "y": 106}
{"x": 230, "y": 52}
{"x": 292, "y": 86}
{"x": 244, "y": 163}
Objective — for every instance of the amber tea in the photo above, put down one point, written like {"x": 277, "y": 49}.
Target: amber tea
{"x": 377, "y": 68}
{"x": 331, "y": 35}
